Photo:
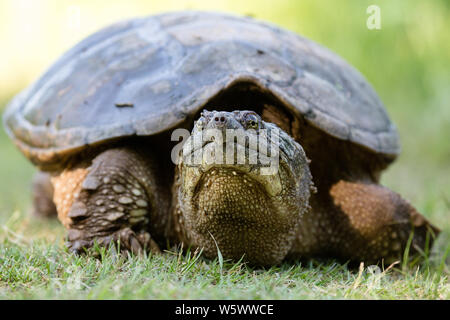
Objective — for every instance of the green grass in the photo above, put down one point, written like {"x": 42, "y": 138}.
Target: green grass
{"x": 44, "y": 270}
{"x": 407, "y": 62}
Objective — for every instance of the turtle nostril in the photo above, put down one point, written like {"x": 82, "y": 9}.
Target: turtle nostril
{"x": 220, "y": 120}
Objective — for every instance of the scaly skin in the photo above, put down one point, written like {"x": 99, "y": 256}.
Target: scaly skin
{"x": 121, "y": 195}
{"x": 115, "y": 196}
{"x": 245, "y": 212}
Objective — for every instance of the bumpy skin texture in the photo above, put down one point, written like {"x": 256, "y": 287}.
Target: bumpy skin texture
{"x": 113, "y": 197}
{"x": 360, "y": 221}
{"x": 120, "y": 195}
{"x": 237, "y": 207}
{"x": 380, "y": 221}
{"x": 352, "y": 216}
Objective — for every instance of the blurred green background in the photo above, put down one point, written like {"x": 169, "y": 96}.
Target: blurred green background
{"x": 407, "y": 61}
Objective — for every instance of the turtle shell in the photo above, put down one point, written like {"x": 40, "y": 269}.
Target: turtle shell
{"x": 146, "y": 75}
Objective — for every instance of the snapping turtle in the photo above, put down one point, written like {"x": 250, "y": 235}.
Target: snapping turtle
{"x": 99, "y": 125}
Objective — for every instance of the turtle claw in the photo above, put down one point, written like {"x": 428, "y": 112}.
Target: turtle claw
{"x": 126, "y": 240}
{"x": 77, "y": 246}
{"x": 137, "y": 243}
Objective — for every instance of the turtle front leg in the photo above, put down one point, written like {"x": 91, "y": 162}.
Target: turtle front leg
{"x": 114, "y": 197}
{"x": 374, "y": 223}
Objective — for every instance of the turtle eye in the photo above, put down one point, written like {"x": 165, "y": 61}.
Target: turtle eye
{"x": 251, "y": 121}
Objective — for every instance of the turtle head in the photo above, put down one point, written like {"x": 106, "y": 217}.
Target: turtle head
{"x": 243, "y": 187}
